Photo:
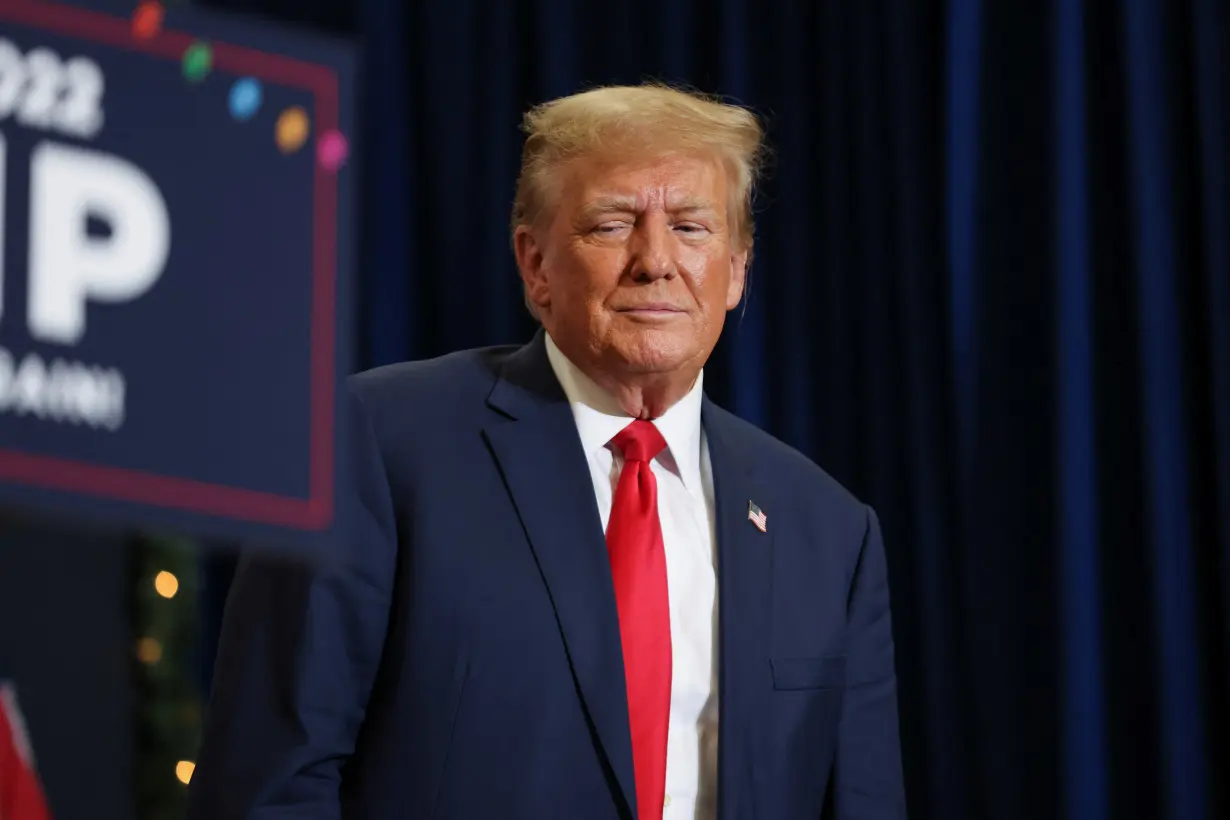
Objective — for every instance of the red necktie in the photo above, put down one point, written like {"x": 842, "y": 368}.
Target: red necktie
{"x": 638, "y": 565}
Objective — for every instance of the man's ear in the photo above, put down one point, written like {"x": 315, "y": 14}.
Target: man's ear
{"x": 529, "y": 253}
{"x": 738, "y": 278}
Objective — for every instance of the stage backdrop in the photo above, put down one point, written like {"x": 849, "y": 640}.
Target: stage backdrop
{"x": 174, "y": 253}
{"x": 991, "y": 295}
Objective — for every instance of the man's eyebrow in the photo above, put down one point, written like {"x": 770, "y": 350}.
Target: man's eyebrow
{"x": 622, "y": 204}
{"x": 609, "y": 205}
{"x": 690, "y": 204}
{"x": 693, "y": 206}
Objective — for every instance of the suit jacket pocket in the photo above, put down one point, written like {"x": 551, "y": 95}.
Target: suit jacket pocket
{"x": 809, "y": 673}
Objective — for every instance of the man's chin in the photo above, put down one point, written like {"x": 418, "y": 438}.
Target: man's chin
{"x": 656, "y": 353}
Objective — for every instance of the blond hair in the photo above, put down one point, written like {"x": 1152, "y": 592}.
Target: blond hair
{"x": 623, "y": 121}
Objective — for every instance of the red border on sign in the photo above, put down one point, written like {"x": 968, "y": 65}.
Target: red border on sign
{"x": 120, "y": 484}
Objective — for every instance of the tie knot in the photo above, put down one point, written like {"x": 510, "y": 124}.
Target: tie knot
{"x": 639, "y": 441}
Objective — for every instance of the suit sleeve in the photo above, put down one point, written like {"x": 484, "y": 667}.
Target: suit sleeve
{"x": 298, "y": 654}
{"x": 867, "y": 769}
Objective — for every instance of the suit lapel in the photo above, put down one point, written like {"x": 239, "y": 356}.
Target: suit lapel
{"x": 544, "y": 467}
{"x": 744, "y": 566}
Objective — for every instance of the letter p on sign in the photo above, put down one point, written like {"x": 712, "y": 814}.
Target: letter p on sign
{"x": 68, "y": 266}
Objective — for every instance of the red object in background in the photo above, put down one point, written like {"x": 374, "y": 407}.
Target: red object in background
{"x": 147, "y": 20}
{"x": 21, "y": 794}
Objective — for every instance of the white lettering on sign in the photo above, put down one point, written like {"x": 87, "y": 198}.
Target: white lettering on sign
{"x": 41, "y": 90}
{"x": 61, "y": 391}
{"x": 68, "y": 266}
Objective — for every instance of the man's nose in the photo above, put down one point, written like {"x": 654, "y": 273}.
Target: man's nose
{"x": 653, "y": 257}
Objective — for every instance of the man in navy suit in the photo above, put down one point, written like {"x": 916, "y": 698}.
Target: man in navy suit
{"x": 579, "y": 588}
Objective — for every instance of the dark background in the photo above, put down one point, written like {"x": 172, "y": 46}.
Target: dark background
{"x": 65, "y": 629}
{"x": 991, "y": 295}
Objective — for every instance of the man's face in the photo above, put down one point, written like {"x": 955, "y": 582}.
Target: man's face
{"x": 635, "y": 268}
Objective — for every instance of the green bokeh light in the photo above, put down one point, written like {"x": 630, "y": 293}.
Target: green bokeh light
{"x": 198, "y": 60}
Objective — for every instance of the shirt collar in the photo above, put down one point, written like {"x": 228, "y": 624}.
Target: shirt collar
{"x": 599, "y": 418}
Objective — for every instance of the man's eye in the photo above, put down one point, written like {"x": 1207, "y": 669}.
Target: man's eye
{"x": 691, "y": 227}
{"x": 610, "y": 227}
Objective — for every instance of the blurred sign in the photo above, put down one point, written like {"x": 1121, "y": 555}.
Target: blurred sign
{"x": 173, "y": 244}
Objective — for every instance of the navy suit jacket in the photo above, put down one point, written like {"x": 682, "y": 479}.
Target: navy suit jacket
{"x": 459, "y": 657}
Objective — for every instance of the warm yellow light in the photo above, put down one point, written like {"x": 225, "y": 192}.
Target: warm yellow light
{"x": 184, "y": 770}
{"x": 149, "y": 650}
{"x": 166, "y": 584}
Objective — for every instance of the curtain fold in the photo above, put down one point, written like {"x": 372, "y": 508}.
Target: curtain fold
{"x": 1157, "y": 212}
{"x": 1084, "y": 754}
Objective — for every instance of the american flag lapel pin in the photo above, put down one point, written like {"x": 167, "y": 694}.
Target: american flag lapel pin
{"x": 757, "y": 516}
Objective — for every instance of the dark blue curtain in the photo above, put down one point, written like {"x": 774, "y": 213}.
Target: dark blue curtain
{"x": 991, "y": 295}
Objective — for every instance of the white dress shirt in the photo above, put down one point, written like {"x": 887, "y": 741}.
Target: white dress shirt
{"x": 685, "y": 507}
